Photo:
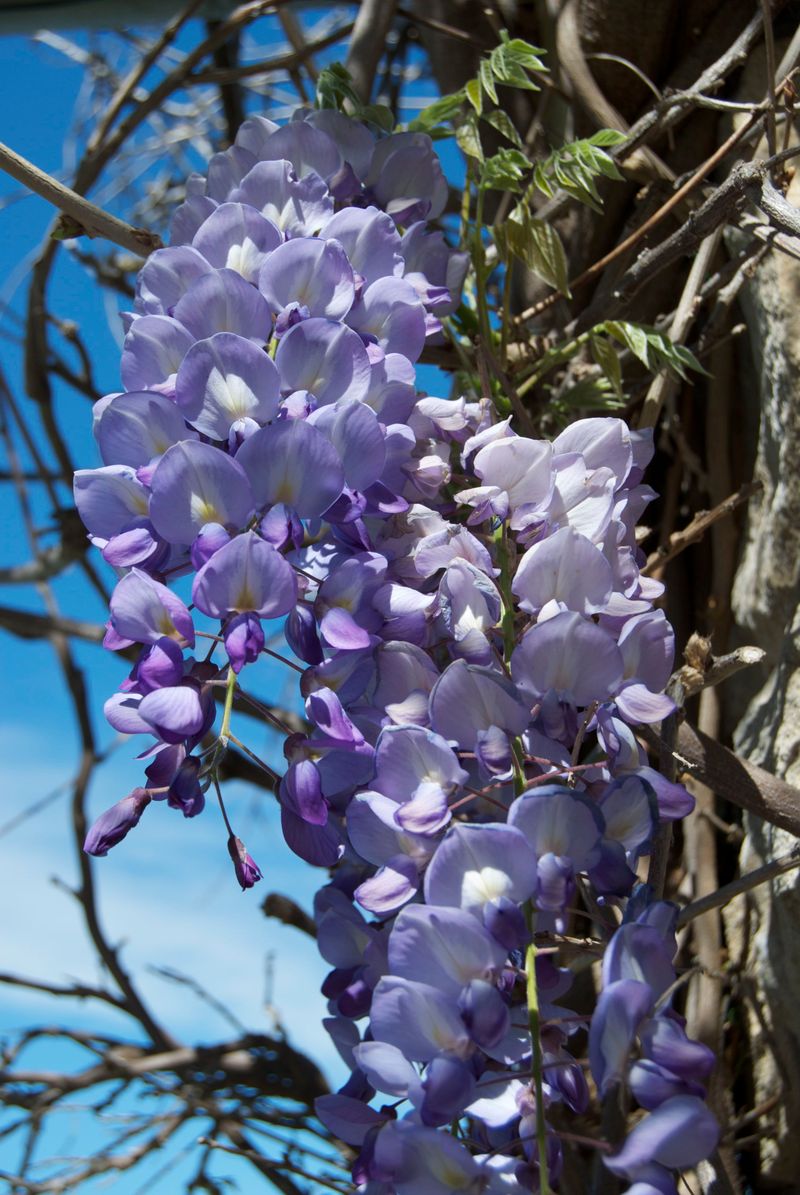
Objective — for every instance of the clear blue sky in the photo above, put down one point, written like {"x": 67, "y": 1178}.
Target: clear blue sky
{"x": 167, "y": 892}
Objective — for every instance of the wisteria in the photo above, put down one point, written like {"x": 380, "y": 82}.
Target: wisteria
{"x": 479, "y": 645}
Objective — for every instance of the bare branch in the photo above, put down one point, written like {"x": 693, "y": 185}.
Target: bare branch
{"x": 85, "y": 218}
{"x": 745, "y": 883}
{"x": 367, "y": 43}
{"x": 680, "y": 540}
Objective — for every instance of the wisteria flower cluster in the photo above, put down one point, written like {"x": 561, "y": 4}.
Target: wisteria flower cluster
{"x": 478, "y": 643}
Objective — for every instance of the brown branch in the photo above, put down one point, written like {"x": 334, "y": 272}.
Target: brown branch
{"x": 673, "y": 108}
{"x": 28, "y": 625}
{"x": 282, "y": 62}
{"x": 48, "y": 563}
{"x": 733, "y": 779}
{"x": 680, "y": 540}
{"x": 723, "y": 198}
{"x": 284, "y": 909}
{"x": 84, "y": 218}
{"x": 125, "y": 92}
{"x": 416, "y": 18}
{"x": 76, "y": 991}
{"x": 368, "y": 42}
{"x": 745, "y": 883}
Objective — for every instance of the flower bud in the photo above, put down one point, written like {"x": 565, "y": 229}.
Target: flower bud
{"x": 112, "y": 826}
{"x": 247, "y": 870}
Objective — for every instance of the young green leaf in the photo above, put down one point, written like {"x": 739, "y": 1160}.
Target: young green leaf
{"x": 486, "y": 79}
{"x": 504, "y": 171}
{"x": 474, "y": 94}
{"x": 445, "y": 109}
{"x": 607, "y": 137}
{"x": 537, "y": 245}
{"x": 575, "y": 166}
{"x": 634, "y": 337}
{"x": 654, "y": 349}
{"x": 379, "y": 115}
{"x": 335, "y": 88}
{"x": 513, "y": 60}
{"x": 591, "y": 393}
{"x": 468, "y": 139}
{"x": 501, "y": 121}
{"x": 606, "y": 357}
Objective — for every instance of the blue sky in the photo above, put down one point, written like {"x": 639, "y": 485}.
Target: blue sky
{"x": 167, "y": 892}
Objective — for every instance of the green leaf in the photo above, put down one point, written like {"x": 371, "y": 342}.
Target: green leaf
{"x": 439, "y": 112}
{"x": 474, "y": 94}
{"x": 537, "y": 245}
{"x": 633, "y": 336}
{"x": 501, "y": 121}
{"x": 486, "y": 79}
{"x": 654, "y": 349}
{"x": 468, "y": 139}
{"x": 513, "y": 60}
{"x": 607, "y": 137}
{"x": 504, "y": 171}
{"x": 335, "y": 87}
{"x": 575, "y": 166}
{"x": 606, "y": 357}
{"x": 549, "y": 260}
{"x": 687, "y": 358}
{"x": 591, "y": 393}
{"x": 377, "y": 114}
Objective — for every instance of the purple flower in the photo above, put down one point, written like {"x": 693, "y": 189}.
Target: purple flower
{"x": 245, "y": 576}
{"x": 326, "y": 358}
{"x": 237, "y": 237}
{"x": 144, "y": 611}
{"x": 475, "y": 867}
{"x": 154, "y": 347}
{"x": 195, "y": 484}
{"x": 677, "y": 1135}
{"x": 569, "y": 656}
{"x": 292, "y": 463}
{"x": 223, "y": 302}
{"x": 136, "y": 429}
{"x": 185, "y": 792}
{"x": 247, "y": 870}
{"x": 243, "y": 636}
{"x": 272, "y": 443}
{"x": 112, "y": 826}
{"x": 312, "y": 273}
{"x": 298, "y": 207}
{"x": 224, "y": 379}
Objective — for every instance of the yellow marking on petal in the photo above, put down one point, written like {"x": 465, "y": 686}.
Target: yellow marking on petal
{"x": 285, "y": 492}
{"x": 167, "y": 627}
{"x": 479, "y": 887}
{"x": 205, "y": 511}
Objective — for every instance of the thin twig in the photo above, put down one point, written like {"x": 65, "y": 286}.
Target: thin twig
{"x": 663, "y": 385}
{"x": 745, "y": 883}
{"x": 680, "y": 540}
{"x": 87, "y": 218}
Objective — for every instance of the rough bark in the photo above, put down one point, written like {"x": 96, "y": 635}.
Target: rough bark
{"x": 762, "y": 928}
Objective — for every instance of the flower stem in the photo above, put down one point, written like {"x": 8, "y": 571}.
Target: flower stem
{"x": 480, "y": 272}
{"x": 536, "y": 1052}
{"x": 225, "y": 729}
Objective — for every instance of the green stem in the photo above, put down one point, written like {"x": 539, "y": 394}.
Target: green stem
{"x": 480, "y": 274}
{"x": 507, "y": 626}
{"x": 505, "y": 322}
{"x": 552, "y": 359}
{"x": 507, "y": 619}
{"x": 225, "y": 729}
{"x": 536, "y": 1055}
